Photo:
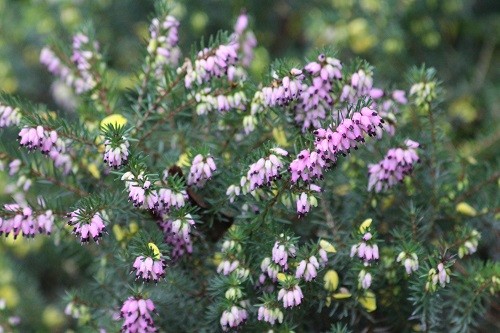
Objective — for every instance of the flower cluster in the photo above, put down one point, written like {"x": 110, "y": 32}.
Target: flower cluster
{"x": 360, "y": 86}
{"x": 247, "y": 40}
{"x": 22, "y": 220}
{"x": 470, "y": 245}
{"x": 330, "y": 143}
{"x": 207, "y": 102}
{"x": 364, "y": 279}
{"x": 233, "y": 317}
{"x": 85, "y": 52}
{"x": 291, "y": 296}
{"x": 216, "y": 62}
{"x": 260, "y": 173}
{"x": 307, "y": 200}
{"x": 37, "y": 137}
{"x": 366, "y": 250}
{"x": 163, "y": 42}
{"x": 148, "y": 268}
{"x": 264, "y": 171}
{"x": 283, "y": 249}
{"x": 270, "y": 268}
{"x": 137, "y": 314}
{"x": 316, "y": 99}
{"x": 441, "y": 276}
{"x": 270, "y": 314}
{"x": 231, "y": 252}
{"x": 116, "y": 153}
{"x": 409, "y": 260}
{"x": 49, "y": 144}
{"x": 397, "y": 163}
{"x": 177, "y": 233}
{"x": 284, "y": 91}
{"x": 86, "y": 226}
{"x": 9, "y": 116}
{"x": 139, "y": 190}
{"x": 201, "y": 170}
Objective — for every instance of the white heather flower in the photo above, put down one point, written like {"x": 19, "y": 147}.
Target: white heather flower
{"x": 270, "y": 315}
{"x": 409, "y": 261}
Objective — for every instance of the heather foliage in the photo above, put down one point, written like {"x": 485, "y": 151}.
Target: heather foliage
{"x": 204, "y": 198}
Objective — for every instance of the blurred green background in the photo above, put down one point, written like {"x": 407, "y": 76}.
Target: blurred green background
{"x": 457, "y": 37}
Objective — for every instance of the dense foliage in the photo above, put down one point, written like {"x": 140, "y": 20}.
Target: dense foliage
{"x": 211, "y": 190}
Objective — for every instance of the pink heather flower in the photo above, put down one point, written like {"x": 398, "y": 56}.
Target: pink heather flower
{"x": 163, "y": 43}
{"x": 291, "y": 297}
{"x": 201, "y": 170}
{"x": 264, "y": 171}
{"x": 282, "y": 250}
{"x": 246, "y": 39}
{"x": 270, "y": 268}
{"x": 116, "y": 155}
{"x": 241, "y": 23}
{"x": 84, "y": 53}
{"x": 25, "y": 222}
{"x": 270, "y": 315}
{"x": 148, "y": 268}
{"x": 9, "y": 116}
{"x": 307, "y": 269}
{"x": 399, "y": 96}
{"x": 361, "y": 85}
{"x": 233, "y": 317}
{"x": 316, "y": 100}
{"x": 179, "y": 244}
{"x": 137, "y": 315}
{"x": 226, "y": 266}
{"x": 87, "y": 228}
{"x": 56, "y": 66}
{"x": 285, "y": 90}
{"x": 140, "y": 192}
{"x": 396, "y": 164}
{"x": 210, "y": 63}
{"x": 365, "y": 251}
{"x": 364, "y": 279}
{"x": 14, "y": 167}
{"x": 307, "y": 166}
{"x": 443, "y": 276}
{"x": 170, "y": 199}
{"x": 182, "y": 226}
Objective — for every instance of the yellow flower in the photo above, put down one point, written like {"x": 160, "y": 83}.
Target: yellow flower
{"x": 282, "y": 277}
{"x": 368, "y": 301}
{"x": 342, "y": 294}
{"x": 119, "y": 233}
{"x": 280, "y": 136}
{"x": 94, "y": 171}
{"x": 183, "y": 160}
{"x": 331, "y": 280}
{"x": 116, "y": 119}
{"x": 155, "y": 249}
{"x": 365, "y": 225}
{"x": 466, "y": 209}
{"x": 10, "y": 295}
{"x": 327, "y": 246}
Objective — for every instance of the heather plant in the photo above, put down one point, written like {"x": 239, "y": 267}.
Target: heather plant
{"x": 318, "y": 198}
